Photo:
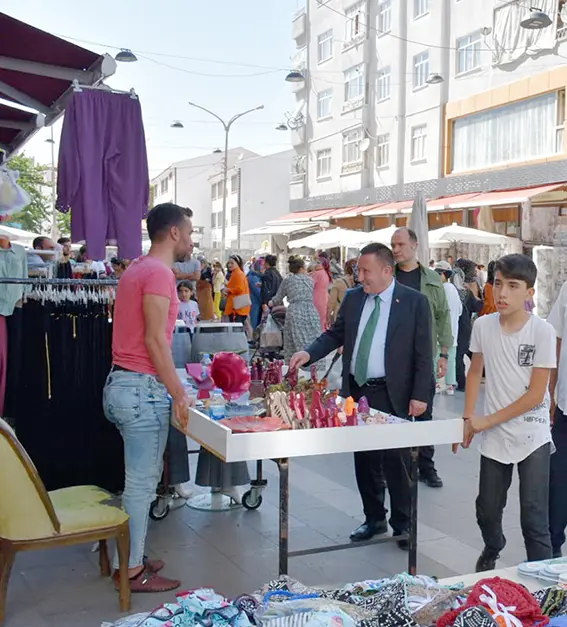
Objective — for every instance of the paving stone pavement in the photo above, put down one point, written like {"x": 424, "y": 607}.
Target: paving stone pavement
{"x": 236, "y": 551}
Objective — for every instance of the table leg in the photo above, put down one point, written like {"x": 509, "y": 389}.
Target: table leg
{"x": 412, "y": 558}
{"x": 283, "y": 466}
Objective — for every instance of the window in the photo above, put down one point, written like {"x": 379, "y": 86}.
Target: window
{"x": 468, "y": 52}
{"x": 354, "y": 22}
{"x": 325, "y": 46}
{"x": 418, "y": 139}
{"x": 323, "y": 163}
{"x": 234, "y": 184}
{"x": 164, "y": 186}
{"x": 420, "y": 69}
{"x": 213, "y": 220}
{"x": 351, "y": 146}
{"x": 420, "y": 7}
{"x": 324, "y": 104}
{"x": 220, "y": 189}
{"x": 384, "y": 16}
{"x": 354, "y": 82}
{"x": 521, "y": 131}
{"x": 383, "y": 84}
{"x": 234, "y": 216}
{"x": 383, "y": 150}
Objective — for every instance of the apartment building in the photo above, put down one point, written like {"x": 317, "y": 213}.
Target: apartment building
{"x": 257, "y": 192}
{"x": 187, "y": 183}
{"x": 453, "y": 97}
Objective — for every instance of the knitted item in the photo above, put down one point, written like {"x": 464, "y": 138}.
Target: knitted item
{"x": 511, "y": 599}
{"x": 553, "y": 601}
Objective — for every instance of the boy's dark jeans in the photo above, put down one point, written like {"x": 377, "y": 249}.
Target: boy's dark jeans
{"x": 558, "y": 482}
{"x": 495, "y": 479}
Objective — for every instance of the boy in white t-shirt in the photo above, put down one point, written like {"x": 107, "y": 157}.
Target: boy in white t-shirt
{"x": 517, "y": 351}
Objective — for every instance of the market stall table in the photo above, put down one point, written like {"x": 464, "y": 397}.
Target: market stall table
{"x": 280, "y": 446}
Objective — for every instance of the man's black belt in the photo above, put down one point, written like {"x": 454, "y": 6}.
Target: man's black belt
{"x": 372, "y": 383}
{"x": 116, "y": 368}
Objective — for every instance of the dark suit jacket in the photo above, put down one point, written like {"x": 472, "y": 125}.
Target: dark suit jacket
{"x": 409, "y": 366}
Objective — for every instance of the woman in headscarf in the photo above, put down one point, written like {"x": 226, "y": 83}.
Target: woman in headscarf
{"x": 237, "y": 292}
{"x": 338, "y": 289}
{"x": 489, "y": 306}
{"x": 205, "y": 292}
{"x": 464, "y": 279}
{"x": 254, "y": 278}
{"x": 322, "y": 279}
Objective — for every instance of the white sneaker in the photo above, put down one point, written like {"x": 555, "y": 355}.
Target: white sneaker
{"x": 450, "y": 391}
{"x": 437, "y": 389}
{"x": 234, "y": 494}
{"x": 183, "y": 491}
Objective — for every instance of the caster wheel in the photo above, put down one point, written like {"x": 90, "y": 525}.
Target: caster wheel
{"x": 251, "y": 500}
{"x": 159, "y": 509}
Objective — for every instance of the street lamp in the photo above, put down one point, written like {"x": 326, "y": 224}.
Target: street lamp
{"x": 536, "y": 20}
{"x": 226, "y": 126}
{"x": 54, "y": 229}
{"x": 126, "y": 56}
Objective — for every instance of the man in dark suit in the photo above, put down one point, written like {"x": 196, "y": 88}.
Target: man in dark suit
{"x": 385, "y": 331}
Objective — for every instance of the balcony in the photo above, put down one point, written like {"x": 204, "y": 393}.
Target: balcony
{"x": 298, "y": 136}
{"x": 298, "y": 25}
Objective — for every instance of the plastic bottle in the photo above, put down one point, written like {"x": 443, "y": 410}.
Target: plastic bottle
{"x": 205, "y": 363}
{"x": 217, "y": 405}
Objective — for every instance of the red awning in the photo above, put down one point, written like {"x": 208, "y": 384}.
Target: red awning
{"x": 508, "y": 196}
{"x": 36, "y": 71}
{"x": 388, "y": 208}
{"x": 304, "y": 216}
{"x": 449, "y": 202}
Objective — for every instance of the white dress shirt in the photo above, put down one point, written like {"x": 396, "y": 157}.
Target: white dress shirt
{"x": 377, "y": 360}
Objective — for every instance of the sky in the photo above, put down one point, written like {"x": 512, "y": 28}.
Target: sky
{"x": 226, "y": 55}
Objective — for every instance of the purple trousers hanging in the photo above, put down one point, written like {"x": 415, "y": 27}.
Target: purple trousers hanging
{"x": 102, "y": 173}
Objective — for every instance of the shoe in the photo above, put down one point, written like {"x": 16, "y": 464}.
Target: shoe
{"x": 234, "y": 494}
{"x": 147, "y": 581}
{"x": 431, "y": 479}
{"x": 450, "y": 390}
{"x": 154, "y": 565}
{"x": 368, "y": 530}
{"x": 182, "y": 491}
{"x": 486, "y": 561}
{"x": 403, "y": 544}
{"x": 437, "y": 388}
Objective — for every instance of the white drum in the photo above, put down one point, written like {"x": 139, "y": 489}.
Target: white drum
{"x": 217, "y": 337}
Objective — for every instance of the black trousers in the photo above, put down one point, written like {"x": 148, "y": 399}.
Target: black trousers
{"x": 558, "y": 482}
{"x": 495, "y": 479}
{"x": 371, "y": 467}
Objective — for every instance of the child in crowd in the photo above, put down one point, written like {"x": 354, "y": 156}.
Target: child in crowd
{"x": 188, "y": 307}
{"x": 517, "y": 349}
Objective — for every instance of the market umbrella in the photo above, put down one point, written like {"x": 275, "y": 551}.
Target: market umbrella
{"x": 440, "y": 238}
{"x": 331, "y": 238}
{"x": 418, "y": 222}
{"x": 381, "y": 236}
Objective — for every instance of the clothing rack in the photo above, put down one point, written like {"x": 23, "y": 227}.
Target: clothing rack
{"x": 77, "y": 87}
{"x": 42, "y": 281}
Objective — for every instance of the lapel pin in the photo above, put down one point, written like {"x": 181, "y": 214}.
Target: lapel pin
{"x": 397, "y": 300}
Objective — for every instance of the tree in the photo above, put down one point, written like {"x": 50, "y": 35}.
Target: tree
{"x": 36, "y": 215}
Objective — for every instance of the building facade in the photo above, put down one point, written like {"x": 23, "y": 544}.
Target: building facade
{"x": 258, "y": 192}
{"x": 444, "y": 96}
{"x": 187, "y": 183}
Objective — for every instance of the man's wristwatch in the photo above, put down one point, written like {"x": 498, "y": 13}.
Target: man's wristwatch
{"x": 443, "y": 355}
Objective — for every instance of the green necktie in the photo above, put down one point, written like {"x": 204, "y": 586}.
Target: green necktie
{"x": 363, "y": 355}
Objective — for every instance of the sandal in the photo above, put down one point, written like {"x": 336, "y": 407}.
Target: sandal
{"x": 153, "y": 566}
{"x": 148, "y": 581}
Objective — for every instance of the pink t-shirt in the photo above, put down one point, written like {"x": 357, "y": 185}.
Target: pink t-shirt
{"x": 146, "y": 275}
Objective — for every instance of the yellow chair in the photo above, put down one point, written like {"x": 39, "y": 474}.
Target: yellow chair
{"x": 32, "y": 518}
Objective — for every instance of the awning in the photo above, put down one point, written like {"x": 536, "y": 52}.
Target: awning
{"x": 303, "y": 216}
{"x": 36, "y": 71}
{"x": 514, "y": 196}
{"x": 281, "y": 229}
{"x": 350, "y": 212}
{"x": 388, "y": 208}
{"x": 449, "y": 202}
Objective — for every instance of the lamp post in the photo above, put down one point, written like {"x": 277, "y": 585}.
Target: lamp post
{"x": 226, "y": 126}
{"x": 54, "y": 229}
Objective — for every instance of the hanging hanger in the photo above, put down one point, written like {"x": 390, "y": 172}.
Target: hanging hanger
{"x": 77, "y": 88}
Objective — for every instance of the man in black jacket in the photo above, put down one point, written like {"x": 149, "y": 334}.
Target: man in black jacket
{"x": 385, "y": 331}
{"x": 271, "y": 280}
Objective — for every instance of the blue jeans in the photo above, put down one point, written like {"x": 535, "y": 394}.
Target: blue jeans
{"x": 139, "y": 406}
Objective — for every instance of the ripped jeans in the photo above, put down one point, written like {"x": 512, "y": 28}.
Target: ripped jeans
{"x": 140, "y": 408}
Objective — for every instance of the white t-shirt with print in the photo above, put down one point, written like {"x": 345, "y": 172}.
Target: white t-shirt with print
{"x": 189, "y": 312}
{"x": 509, "y": 360}
{"x": 558, "y": 320}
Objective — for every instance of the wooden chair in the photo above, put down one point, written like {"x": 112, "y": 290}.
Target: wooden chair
{"x": 32, "y": 518}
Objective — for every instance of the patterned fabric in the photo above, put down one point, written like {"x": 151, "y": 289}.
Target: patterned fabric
{"x": 302, "y": 322}
{"x": 475, "y": 617}
{"x": 553, "y": 601}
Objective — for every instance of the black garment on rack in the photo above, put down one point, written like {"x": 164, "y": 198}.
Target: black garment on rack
{"x": 56, "y": 402}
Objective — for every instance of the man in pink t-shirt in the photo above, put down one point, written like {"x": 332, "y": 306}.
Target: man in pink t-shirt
{"x": 143, "y": 378}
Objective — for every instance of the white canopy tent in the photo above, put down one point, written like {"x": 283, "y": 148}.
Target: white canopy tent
{"x": 331, "y": 238}
{"x": 381, "y": 236}
{"x": 446, "y": 235}
{"x": 18, "y": 236}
